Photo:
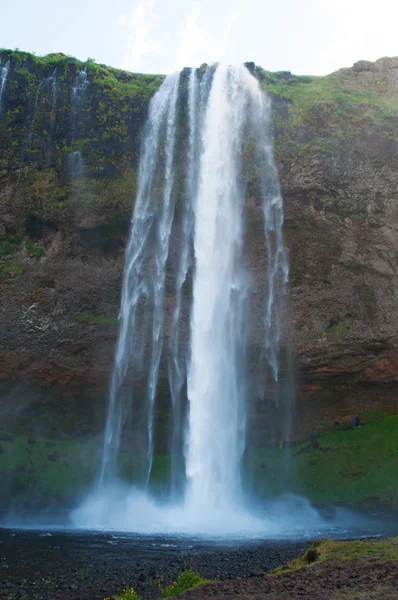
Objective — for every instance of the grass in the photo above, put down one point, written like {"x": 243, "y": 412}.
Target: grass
{"x": 345, "y": 466}
{"x": 57, "y": 467}
{"x": 323, "y": 551}
{"x": 352, "y": 466}
{"x": 333, "y": 88}
{"x": 187, "y": 580}
{"x": 13, "y": 269}
{"x": 33, "y": 250}
{"x": 334, "y": 110}
{"x": 8, "y": 246}
{"x": 54, "y": 467}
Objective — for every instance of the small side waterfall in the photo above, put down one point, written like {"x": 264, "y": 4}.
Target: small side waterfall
{"x": 54, "y": 88}
{"x": 140, "y": 343}
{"x": 49, "y": 87}
{"x": 178, "y": 358}
{"x": 78, "y": 98}
{"x": 202, "y": 126}
{"x": 80, "y": 85}
{"x": 33, "y": 119}
{"x": 3, "y": 83}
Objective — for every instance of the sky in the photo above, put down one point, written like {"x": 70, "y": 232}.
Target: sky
{"x": 313, "y": 37}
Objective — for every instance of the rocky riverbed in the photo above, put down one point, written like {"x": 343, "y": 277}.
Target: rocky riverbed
{"x": 53, "y": 565}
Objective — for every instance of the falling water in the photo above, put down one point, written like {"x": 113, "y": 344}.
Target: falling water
{"x": 178, "y": 358}
{"x": 51, "y": 83}
{"x": 76, "y": 164}
{"x": 3, "y": 82}
{"x": 54, "y": 87}
{"x": 81, "y": 83}
{"x": 33, "y": 120}
{"x": 216, "y": 386}
{"x": 225, "y": 113}
{"x": 144, "y": 277}
{"x": 76, "y": 159}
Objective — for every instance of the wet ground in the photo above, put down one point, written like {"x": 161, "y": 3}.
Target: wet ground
{"x": 53, "y": 564}
{"x": 73, "y": 565}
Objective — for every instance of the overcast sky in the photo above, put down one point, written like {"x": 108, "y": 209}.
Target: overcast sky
{"x": 159, "y": 36}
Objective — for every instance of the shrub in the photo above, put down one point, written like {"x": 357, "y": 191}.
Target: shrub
{"x": 187, "y": 580}
{"x": 33, "y": 250}
{"x": 8, "y": 246}
{"x": 14, "y": 269}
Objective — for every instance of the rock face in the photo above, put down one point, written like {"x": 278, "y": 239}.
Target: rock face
{"x": 63, "y": 235}
{"x": 341, "y": 226}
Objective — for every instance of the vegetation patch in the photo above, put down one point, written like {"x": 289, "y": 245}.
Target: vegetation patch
{"x": 187, "y": 580}
{"x": 322, "y": 551}
{"x": 347, "y": 466}
{"x": 97, "y": 320}
{"x": 51, "y": 468}
{"x": 338, "y": 328}
{"x": 33, "y": 250}
{"x": 8, "y": 246}
{"x": 13, "y": 269}
{"x": 128, "y": 594}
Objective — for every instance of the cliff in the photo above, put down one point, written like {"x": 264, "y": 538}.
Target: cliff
{"x": 337, "y": 149}
{"x": 69, "y": 145}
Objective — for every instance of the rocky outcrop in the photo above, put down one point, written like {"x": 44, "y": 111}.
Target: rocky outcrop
{"x": 341, "y": 226}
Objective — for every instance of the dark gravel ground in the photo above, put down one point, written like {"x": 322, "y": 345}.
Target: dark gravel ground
{"x": 339, "y": 580}
{"x": 74, "y": 565}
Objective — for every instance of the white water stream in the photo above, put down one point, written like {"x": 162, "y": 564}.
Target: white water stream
{"x": 225, "y": 110}
{"x": 76, "y": 158}
{"x": 3, "y": 81}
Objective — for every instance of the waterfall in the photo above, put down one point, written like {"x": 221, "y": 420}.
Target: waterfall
{"x": 76, "y": 164}
{"x": 54, "y": 86}
{"x": 76, "y": 159}
{"x": 80, "y": 85}
{"x": 201, "y": 127}
{"x": 33, "y": 120}
{"x": 218, "y": 329}
{"x": 144, "y": 279}
{"x": 51, "y": 83}
{"x": 3, "y": 82}
{"x": 177, "y": 363}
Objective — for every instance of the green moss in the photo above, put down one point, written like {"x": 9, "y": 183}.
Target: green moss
{"x": 37, "y": 137}
{"x": 34, "y": 250}
{"x": 338, "y": 328}
{"x": 8, "y": 246}
{"x": 53, "y": 468}
{"x": 59, "y": 468}
{"x": 97, "y": 320}
{"x": 346, "y": 466}
{"x": 14, "y": 269}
